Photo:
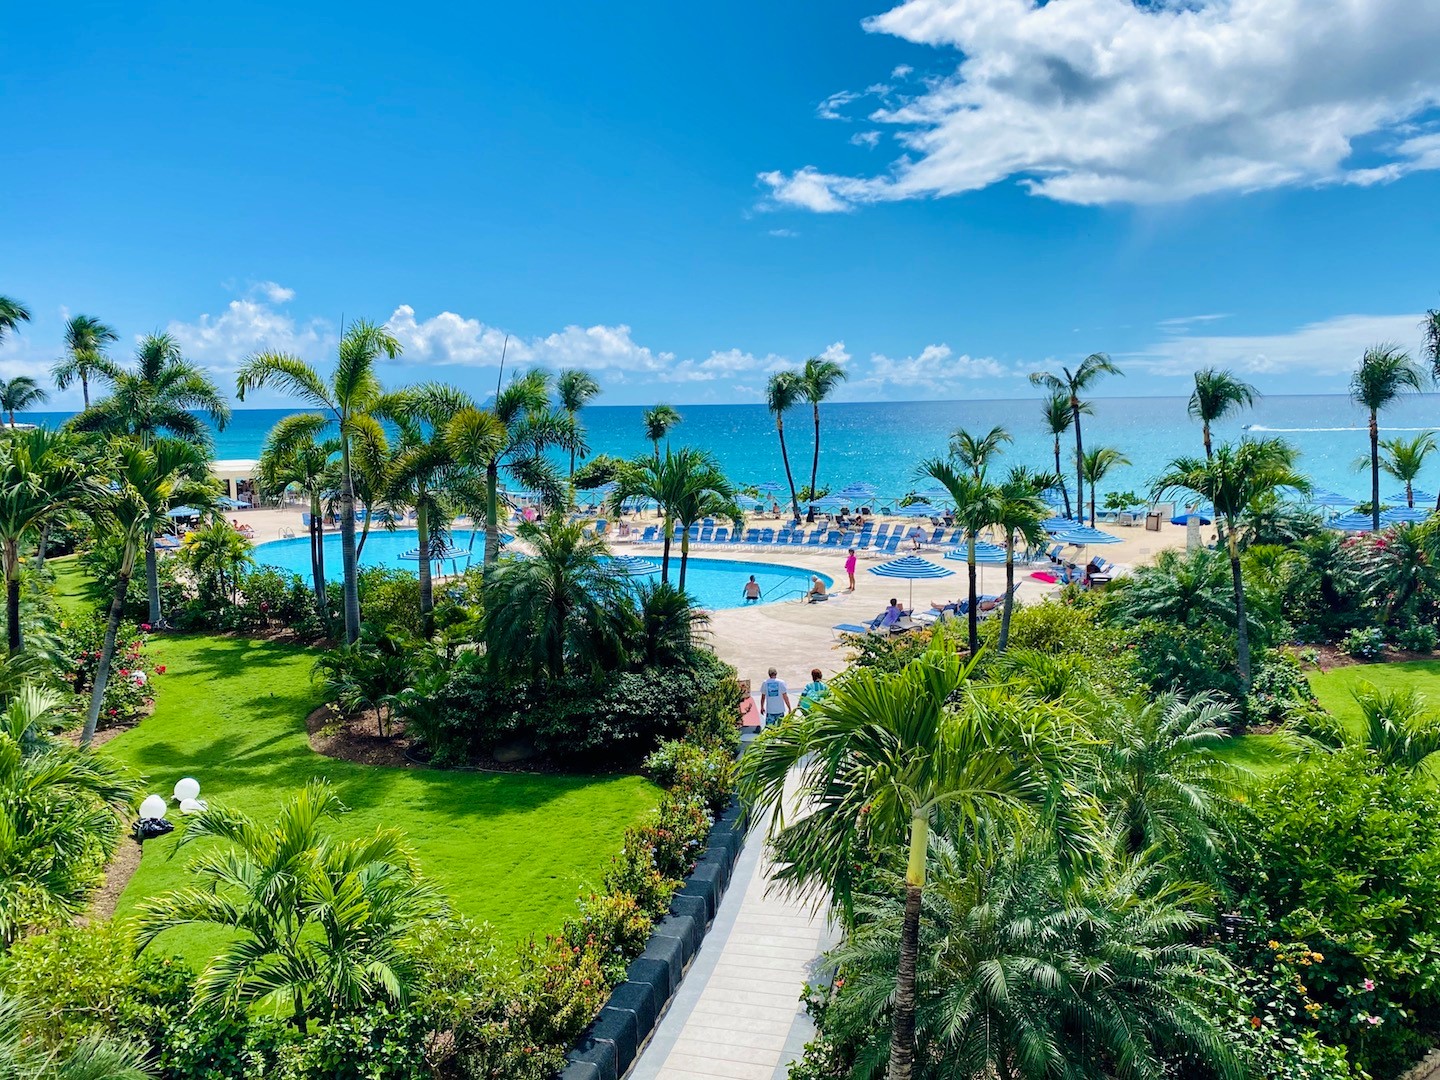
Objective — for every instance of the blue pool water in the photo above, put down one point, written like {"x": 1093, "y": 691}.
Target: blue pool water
{"x": 714, "y": 583}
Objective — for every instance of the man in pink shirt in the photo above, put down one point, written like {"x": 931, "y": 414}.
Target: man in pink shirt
{"x": 850, "y": 569}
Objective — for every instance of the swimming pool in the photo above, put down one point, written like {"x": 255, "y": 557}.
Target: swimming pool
{"x": 714, "y": 583}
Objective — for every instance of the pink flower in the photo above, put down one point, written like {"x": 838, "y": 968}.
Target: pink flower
{"x": 1369, "y": 984}
{"x": 159, "y": 669}
{"x": 145, "y": 626}
{"x": 1373, "y": 1021}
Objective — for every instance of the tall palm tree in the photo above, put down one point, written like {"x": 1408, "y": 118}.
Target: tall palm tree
{"x": 1071, "y": 384}
{"x": 514, "y": 435}
{"x": 20, "y": 394}
{"x": 85, "y": 341}
{"x": 659, "y": 419}
{"x": 976, "y": 509}
{"x": 1020, "y": 514}
{"x": 819, "y": 378}
{"x": 887, "y": 756}
{"x": 555, "y": 611}
{"x": 1217, "y": 394}
{"x": 697, "y": 488}
{"x": 346, "y": 399}
{"x": 41, "y": 480}
{"x": 575, "y": 387}
{"x": 422, "y": 472}
{"x": 295, "y": 455}
{"x": 12, "y": 314}
{"x": 1385, "y": 372}
{"x": 1234, "y": 478}
{"x": 158, "y": 396}
{"x": 314, "y": 922}
{"x": 146, "y": 483}
{"x": 1404, "y": 459}
{"x": 783, "y": 393}
{"x": 1096, "y": 466}
{"x": 974, "y": 452}
{"x": 1058, "y": 418}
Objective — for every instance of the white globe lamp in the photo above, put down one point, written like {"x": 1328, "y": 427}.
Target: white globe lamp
{"x": 192, "y": 806}
{"x": 152, "y": 807}
{"x": 188, "y": 788}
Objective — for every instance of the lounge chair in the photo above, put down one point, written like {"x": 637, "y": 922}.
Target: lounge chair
{"x": 767, "y": 537}
{"x": 882, "y": 532}
{"x": 782, "y": 537}
{"x": 841, "y": 629}
{"x": 815, "y": 538}
{"x": 707, "y": 534}
{"x": 649, "y": 536}
{"x": 722, "y": 536}
{"x": 752, "y": 536}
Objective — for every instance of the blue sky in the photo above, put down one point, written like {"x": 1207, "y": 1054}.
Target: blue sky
{"x": 946, "y": 194}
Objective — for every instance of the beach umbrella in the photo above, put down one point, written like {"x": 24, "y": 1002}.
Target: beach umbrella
{"x": 1185, "y": 519}
{"x": 443, "y": 553}
{"x": 1405, "y": 514}
{"x": 858, "y": 491}
{"x": 1351, "y": 523}
{"x": 911, "y": 568}
{"x": 918, "y": 509}
{"x": 1059, "y": 524}
{"x": 769, "y": 487}
{"x": 1084, "y": 536}
{"x": 182, "y": 512}
{"x": 633, "y": 565}
{"x": 1422, "y": 498}
{"x": 985, "y": 552}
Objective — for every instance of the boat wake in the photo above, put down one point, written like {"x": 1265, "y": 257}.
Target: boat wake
{"x": 1262, "y": 427}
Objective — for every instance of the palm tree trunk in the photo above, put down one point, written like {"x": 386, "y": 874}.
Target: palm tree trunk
{"x": 12, "y": 596}
{"x": 492, "y": 513}
{"x": 317, "y": 554}
{"x": 1092, "y": 504}
{"x": 973, "y": 615}
{"x": 40, "y": 548}
{"x": 1064, "y": 492}
{"x": 427, "y": 585}
{"x": 107, "y": 649}
{"x": 902, "y": 1029}
{"x": 1374, "y": 471}
{"x": 785, "y": 457}
{"x": 152, "y": 578}
{"x": 684, "y": 554}
{"x": 1410, "y": 494}
{"x": 815, "y": 459}
{"x": 665, "y": 555}
{"x": 1079, "y": 454}
{"x": 85, "y": 388}
{"x": 1242, "y": 630}
{"x": 1205, "y": 436}
{"x": 1009, "y": 601}
{"x": 349, "y": 557}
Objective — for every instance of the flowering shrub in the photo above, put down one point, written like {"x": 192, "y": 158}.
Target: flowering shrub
{"x": 709, "y": 772}
{"x": 611, "y": 926}
{"x": 129, "y": 693}
{"x": 1365, "y": 643}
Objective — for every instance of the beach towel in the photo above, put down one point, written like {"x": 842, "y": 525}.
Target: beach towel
{"x": 1049, "y": 579}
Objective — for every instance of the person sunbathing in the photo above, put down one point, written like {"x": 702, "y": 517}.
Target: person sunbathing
{"x": 889, "y": 617}
{"x": 960, "y": 607}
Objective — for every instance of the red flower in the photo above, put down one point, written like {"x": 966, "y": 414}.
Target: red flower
{"x": 159, "y": 669}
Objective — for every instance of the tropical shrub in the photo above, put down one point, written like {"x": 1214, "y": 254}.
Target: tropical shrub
{"x": 613, "y": 927}
{"x": 1279, "y": 690}
{"x": 1364, "y": 643}
{"x": 1418, "y": 637}
{"x": 708, "y": 772}
{"x": 1186, "y": 660}
{"x": 366, "y": 676}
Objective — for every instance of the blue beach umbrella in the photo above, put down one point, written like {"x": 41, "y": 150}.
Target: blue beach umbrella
{"x": 919, "y": 509}
{"x": 1421, "y": 498}
{"x": 985, "y": 552}
{"x": 1405, "y": 514}
{"x": 1351, "y": 523}
{"x": 182, "y": 512}
{"x": 1084, "y": 536}
{"x": 1184, "y": 519}
{"x": 769, "y": 487}
{"x": 633, "y": 565}
{"x": 911, "y": 568}
{"x": 858, "y": 490}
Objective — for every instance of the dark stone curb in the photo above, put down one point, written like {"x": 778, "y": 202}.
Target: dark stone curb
{"x": 609, "y": 1046}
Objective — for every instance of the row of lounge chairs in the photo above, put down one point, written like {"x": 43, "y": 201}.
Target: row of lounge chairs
{"x": 987, "y": 607}
{"x": 873, "y": 541}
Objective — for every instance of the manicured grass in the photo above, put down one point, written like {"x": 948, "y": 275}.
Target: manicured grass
{"x": 1258, "y": 754}
{"x": 69, "y": 585}
{"x": 510, "y": 849}
{"x": 1335, "y": 689}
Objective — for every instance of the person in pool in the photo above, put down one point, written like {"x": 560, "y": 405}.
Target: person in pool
{"x": 752, "y": 591}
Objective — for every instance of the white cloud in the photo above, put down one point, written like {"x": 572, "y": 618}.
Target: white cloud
{"x": 866, "y": 138}
{"x": 836, "y": 353}
{"x": 935, "y": 371}
{"x": 247, "y": 326}
{"x": 829, "y": 109}
{"x": 1102, "y": 101}
{"x": 787, "y": 234}
{"x": 900, "y": 71}
{"x": 273, "y": 291}
{"x": 1317, "y": 350}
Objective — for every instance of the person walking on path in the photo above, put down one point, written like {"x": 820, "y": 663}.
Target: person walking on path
{"x": 775, "y": 699}
{"x": 814, "y": 690}
{"x": 850, "y": 569}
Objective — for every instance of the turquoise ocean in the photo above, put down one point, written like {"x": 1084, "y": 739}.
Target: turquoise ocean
{"x": 884, "y": 443}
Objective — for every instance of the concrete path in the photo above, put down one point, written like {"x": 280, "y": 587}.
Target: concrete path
{"x": 738, "y": 1013}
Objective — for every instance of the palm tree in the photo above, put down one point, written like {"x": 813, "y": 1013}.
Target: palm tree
{"x": 1403, "y": 459}
{"x": 976, "y": 509}
{"x": 147, "y": 482}
{"x": 659, "y": 419}
{"x": 158, "y": 396}
{"x": 1398, "y": 734}
{"x": 974, "y": 452}
{"x": 41, "y": 480}
{"x": 295, "y": 456}
{"x": 313, "y": 922}
{"x": 1159, "y": 777}
{"x": 85, "y": 341}
{"x": 1070, "y": 384}
{"x": 12, "y": 314}
{"x": 90, "y": 1058}
{"x": 217, "y": 555}
{"x": 347, "y": 398}
{"x": 1385, "y": 372}
{"x": 819, "y": 378}
{"x": 514, "y": 435}
{"x": 575, "y": 387}
{"x": 1234, "y": 478}
{"x": 1058, "y": 418}
{"x": 1096, "y": 466}
{"x": 422, "y": 472}
{"x": 783, "y": 393}
{"x": 1020, "y": 513}
{"x": 62, "y": 809}
{"x": 696, "y": 488}
{"x": 1217, "y": 394}
{"x": 556, "y": 609}
{"x": 891, "y": 755}
{"x": 20, "y": 394}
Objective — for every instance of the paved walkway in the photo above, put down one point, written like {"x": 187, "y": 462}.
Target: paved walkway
{"x": 738, "y": 1013}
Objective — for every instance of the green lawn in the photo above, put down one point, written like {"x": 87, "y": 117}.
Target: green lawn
{"x": 69, "y": 584}
{"x": 1336, "y": 688}
{"x": 509, "y": 849}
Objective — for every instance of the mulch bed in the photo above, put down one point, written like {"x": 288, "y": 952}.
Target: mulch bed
{"x": 1330, "y": 656}
{"x": 118, "y": 872}
{"x": 357, "y": 738}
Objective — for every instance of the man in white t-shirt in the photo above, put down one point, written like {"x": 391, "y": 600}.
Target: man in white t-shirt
{"x": 774, "y": 699}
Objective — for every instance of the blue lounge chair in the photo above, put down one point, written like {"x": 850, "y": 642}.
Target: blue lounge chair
{"x": 752, "y": 536}
{"x": 841, "y": 629}
{"x": 815, "y": 538}
{"x": 767, "y": 536}
{"x": 707, "y": 534}
{"x": 305, "y": 520}
{"x": 782, "y": 537}
{"x": 722, "y": 536}
{"x": 882, "y": 532}
{"x": 891, "y": 544}
{"x": 649, "y": 536}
